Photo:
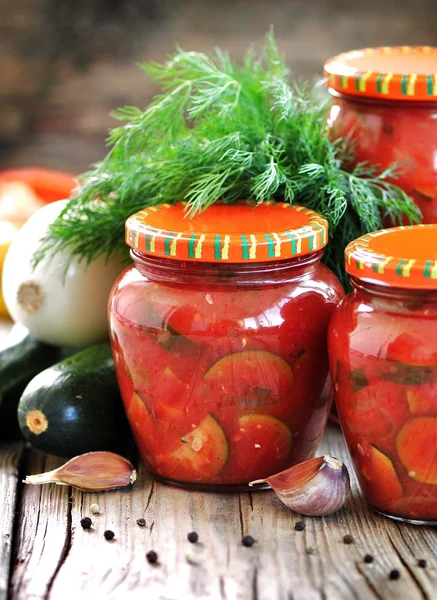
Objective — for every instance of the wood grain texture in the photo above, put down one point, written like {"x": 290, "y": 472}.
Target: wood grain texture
{"x": 9, "y": 462}
{"x": 57, "y": 556}
{"x": 42, "y": 532}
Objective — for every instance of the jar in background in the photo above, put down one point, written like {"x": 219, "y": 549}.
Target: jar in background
{"x": 219, "y": 338}
{"x": 383, "y": 356}
{"x": 385, "y": 99}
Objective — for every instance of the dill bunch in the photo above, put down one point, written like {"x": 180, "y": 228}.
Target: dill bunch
{"x": 222, "y": 131}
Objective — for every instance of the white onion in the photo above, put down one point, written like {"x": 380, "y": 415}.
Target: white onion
{"x": 68, "y": 310}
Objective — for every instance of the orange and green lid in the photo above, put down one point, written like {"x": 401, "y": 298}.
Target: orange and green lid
{"x": 403, "y": 257}
{"x": 388, "y": 72}
{"x": 242, "y": 232}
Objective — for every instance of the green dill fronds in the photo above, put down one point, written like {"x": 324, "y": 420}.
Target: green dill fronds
{"x": 222, "y": 131}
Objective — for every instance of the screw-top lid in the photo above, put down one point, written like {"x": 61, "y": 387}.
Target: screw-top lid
{"x": 233, "y": 233}
{"x": 394, "y": 73}
{"x": 403, "y": 257}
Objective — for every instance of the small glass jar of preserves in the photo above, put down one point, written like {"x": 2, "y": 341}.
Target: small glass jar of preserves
{"x": 219, "y": 334}
{"x": 385, "y": 100}
{"x": 383, "y": 356}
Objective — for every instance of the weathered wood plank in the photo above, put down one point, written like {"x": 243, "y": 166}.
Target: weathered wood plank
{"x": 283, "y": 563}
{"x": 43, "y": 532}
{"x": 116, "y": 569}
{"x": 386, "y": 541}
{"x": 55, "y": 555}
{"x": 9, "y": 462}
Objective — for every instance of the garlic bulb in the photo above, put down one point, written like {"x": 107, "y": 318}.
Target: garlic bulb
{"x": 317, "y": 487}
{"x": 91, "y": 472}
{"x": 64, "y": 307}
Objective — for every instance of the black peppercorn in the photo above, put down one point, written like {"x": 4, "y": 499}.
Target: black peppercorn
{"x": 368, "y": 558}
{"x": 422, "y": 563}
{"x": 299, "y": 526}
{"x": 109, "y": 535}
{"x": 86, "y": 523}
{"x": 394, "y": 574}
{"x": 193, "y": 537}
{"x": 248, "y": 541}
{"x": 141, "y": 522}
{"x": 348, "y": 539}
{"x": 152, "y": 557}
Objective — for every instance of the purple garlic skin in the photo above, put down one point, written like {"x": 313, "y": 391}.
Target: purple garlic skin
{"x": 317, "y": 487}
{"x": 92, "y": 472}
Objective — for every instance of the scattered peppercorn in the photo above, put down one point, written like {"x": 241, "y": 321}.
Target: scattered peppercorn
{"x": 86, "y": 523}
{"x": 311, "y": 550}
{"x": 422, "y": 563}
{"x": 348, "y": 539}
{"x": 95, "y": 509}
{"x": 109, "y": 535}
{"x": 368, "y": 558}
{"x": 248, "y": 541}
{"x": 141, "y": 522}
{"x": 299, "y": 526}
{"x": 193, "y": 537}
{"x": 152, "y": 557}
{"x": 394, "y": 574}
{"x": 191, "y": 560}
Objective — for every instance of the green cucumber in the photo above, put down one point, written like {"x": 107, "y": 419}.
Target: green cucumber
{"x": 359, "y": 379}
{"x": 21, "y": 358}
{"x": 75, "y": 406}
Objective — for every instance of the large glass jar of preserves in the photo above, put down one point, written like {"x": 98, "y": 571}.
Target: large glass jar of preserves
{"x": 219, "y": 338}
{"x": 385, "y": 100}
{"x": 383, "y": 357}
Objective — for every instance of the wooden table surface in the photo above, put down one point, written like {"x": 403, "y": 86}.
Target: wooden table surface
{"x": 45, "y": 554}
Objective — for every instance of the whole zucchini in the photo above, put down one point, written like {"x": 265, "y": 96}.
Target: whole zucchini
{"x": 21, "y": 358}
{"x": 75, "y": 406}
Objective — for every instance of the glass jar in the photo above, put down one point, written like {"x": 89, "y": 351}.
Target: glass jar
{"x": 383, "y": 356}
{"x": 219, "y": 337}
{"x": 385, "y": 100}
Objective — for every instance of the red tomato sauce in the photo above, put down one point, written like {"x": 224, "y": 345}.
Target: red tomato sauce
{"x": 383, "y": 355}
{"x": 398, "y": 132}
{"x": 222, "y": 377}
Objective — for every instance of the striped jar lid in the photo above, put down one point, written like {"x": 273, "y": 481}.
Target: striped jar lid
{"x": 402, "y": 257}
{"x": 242, "y": 232}
{"x": 393, "y": 73}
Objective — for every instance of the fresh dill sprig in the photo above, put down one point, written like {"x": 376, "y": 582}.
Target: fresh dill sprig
{"x": 222, "y": 131}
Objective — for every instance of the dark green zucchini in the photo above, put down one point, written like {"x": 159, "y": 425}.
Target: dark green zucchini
{"x": 75, "y": 406}
{"x": 21, "y": 358}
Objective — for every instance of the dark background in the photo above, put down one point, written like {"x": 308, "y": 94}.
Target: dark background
{"x": 65, "y": 64}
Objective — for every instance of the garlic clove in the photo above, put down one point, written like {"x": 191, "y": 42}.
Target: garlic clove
{"x": 91, "y": 472}
{"x": 317, "y": 487}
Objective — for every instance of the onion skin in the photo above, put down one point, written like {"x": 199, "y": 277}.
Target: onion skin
{"x": 317, "y": 487}
{"x": 59, "y": 306}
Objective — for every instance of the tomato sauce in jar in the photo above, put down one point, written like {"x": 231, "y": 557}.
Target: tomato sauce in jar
{"x": 383, "y": 357}
{"x": 385, "y": 100}
{"x": 219, "y": 334}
